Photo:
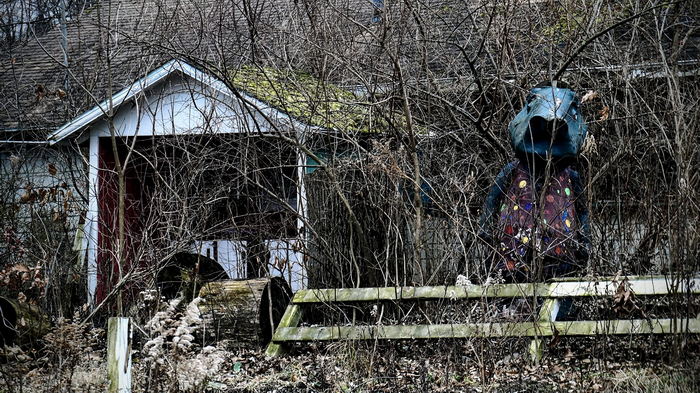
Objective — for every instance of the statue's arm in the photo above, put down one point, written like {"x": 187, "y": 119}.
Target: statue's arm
{"x": 582, "y": 212}
{"x": 494, "y": 199}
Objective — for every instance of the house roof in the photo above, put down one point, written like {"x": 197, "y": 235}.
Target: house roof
{"x": 296, "y": 98}
{"x": 38, "y": 94}
{"x": 151, "y": 79}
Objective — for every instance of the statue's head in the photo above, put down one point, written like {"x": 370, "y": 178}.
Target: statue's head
{"x": 550, "y": 124}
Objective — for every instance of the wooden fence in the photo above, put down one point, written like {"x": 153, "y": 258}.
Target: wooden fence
{"x": 289, "y": 330}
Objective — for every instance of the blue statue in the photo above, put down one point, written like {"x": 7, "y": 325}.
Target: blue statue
{"x": 535, "y": 215}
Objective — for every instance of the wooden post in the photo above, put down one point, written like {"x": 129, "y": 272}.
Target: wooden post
{"x": 119, "y": 355}
{"x": 91, "y": 228}
{"x": 290, "y": 318}
{"x": 548, "y": 313}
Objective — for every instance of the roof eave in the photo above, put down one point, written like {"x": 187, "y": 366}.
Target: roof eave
{"x": 116, "y": 100}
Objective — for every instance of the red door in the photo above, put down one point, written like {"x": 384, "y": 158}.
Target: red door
{"x": 108, "y": 254}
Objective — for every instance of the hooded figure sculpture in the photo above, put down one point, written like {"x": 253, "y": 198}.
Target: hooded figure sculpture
{"x": 535, "y": 215}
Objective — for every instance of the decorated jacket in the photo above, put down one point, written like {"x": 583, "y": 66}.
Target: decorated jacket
{"x": 523, "y": 216}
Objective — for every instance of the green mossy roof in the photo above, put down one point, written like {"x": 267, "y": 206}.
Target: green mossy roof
{"x": 309, "y": 100}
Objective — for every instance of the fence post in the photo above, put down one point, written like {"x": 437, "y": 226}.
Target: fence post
{"x": 548, "y": 313}
{"x": 119, "y": 355}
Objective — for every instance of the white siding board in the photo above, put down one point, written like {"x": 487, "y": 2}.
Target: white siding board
{"x": 28, "y": 169}
{"x": 230, "y": 254}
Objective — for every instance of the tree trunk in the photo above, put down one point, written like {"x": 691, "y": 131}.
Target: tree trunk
{"x": 21, "y": 323}
{"x": 243, "y": 311}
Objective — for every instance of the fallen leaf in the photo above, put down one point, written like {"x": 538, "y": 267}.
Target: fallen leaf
{"x": 40, "y": 92}
{"x": 19, "y": 268}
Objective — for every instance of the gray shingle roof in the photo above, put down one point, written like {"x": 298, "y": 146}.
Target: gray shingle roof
{"x": 37, "y": 94}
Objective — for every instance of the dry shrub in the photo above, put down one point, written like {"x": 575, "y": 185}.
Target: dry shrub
{"x": 173, "y": 360}
{"x": 71, "y": 359}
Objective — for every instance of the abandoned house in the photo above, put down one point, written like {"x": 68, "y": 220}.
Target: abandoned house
{"x": 145, "y": 160}
{"x": 172, "y": 106}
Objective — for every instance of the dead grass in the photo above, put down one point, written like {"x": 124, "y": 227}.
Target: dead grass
{"x": 663, "y": 380}
{"x": 402, "y": 366}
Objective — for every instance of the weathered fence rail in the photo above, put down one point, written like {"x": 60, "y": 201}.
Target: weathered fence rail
{"x": 641, "y": 286}
{"x": 289, "y": 331}
{"x": 522, "y": 329}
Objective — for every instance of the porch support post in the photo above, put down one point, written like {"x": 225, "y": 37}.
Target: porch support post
{"x": 302, "y": 214}
{"x": 91, "y": 227}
